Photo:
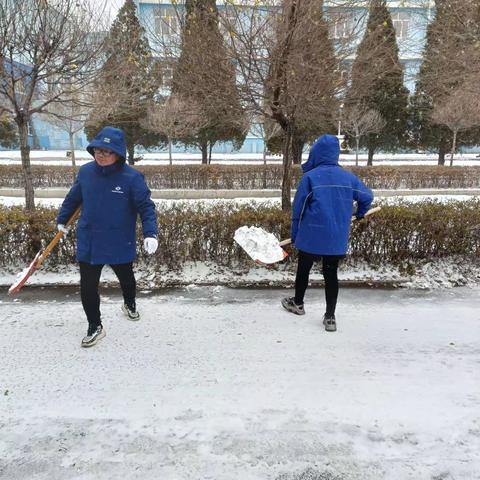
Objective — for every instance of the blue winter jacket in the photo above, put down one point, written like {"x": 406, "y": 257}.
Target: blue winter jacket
{"x": 111, "y": 198}
{"x": 323, "y": 205}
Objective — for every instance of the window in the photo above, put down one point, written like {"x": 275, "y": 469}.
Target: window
{"x": 401, "y": 21}
{"x": 165, "y": 22}
{"x": 341, "y": 25}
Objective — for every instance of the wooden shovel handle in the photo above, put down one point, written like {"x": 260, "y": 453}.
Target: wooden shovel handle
{"x": 57, "y": 238}
{"x": 288, "y": 241}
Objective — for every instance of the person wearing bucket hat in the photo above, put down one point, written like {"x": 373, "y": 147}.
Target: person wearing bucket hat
{"x": 111, "y": 195}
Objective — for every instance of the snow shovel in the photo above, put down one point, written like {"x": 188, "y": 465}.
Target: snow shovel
{"x": 263, "y": 247}
{"x": 40, "y": 258}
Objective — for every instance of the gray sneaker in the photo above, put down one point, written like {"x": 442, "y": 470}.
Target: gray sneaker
{"x": 288, "y": 303}
{"x": 330, "y": 323}
{"x": 131, "y": 312}
{"x": 93, "y": 336}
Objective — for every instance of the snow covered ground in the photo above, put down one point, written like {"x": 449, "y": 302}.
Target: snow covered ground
{"x": 223, "y": 384}
{"x": 58, "y": 157}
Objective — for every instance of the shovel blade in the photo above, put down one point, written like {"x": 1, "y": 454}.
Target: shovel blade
{"x": 24, "y": 275}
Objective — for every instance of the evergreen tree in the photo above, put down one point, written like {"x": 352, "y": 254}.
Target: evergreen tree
{"x": 204, "y": 83}
{"x": 8, "y": 132}
{"x": 377, "y": 81}
{"x": 450, "y": 55}
{"x": 127, "y": 83}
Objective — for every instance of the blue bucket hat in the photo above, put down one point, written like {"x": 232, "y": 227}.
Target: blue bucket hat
{"x": 109, "y": 138}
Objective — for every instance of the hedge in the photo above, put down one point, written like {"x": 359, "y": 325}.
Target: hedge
{"x": 253, "y": 177}
{"x": 398, "y": 234}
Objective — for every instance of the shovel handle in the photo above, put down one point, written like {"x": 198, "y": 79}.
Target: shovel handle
{"x": 57, "y": 238}
{"x": 288, "y": 241}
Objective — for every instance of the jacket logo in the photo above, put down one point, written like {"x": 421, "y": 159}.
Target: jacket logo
{"x": 106, "y": 139}
{"x": 117, "y": 190}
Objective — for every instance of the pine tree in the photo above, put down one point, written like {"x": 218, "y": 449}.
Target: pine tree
{"x": 8, "y": 132}
{"x": 377, "y": 81}
{"x": 450, "y": 56}
{"x": 127, "y": 84}
{"x": 204, "y": 82}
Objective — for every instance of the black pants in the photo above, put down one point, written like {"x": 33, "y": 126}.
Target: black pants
{"x": 329, "y": 268}
{"x": 89, "y": 280}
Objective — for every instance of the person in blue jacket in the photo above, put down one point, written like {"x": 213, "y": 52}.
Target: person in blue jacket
{"x": 321, "y": 218}
{"x": 111, "y": 195}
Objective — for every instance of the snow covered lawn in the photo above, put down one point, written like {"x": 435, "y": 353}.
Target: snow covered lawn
{"x": 223, "y": 384}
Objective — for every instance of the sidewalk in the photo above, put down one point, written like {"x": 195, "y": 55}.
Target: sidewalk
{"x": 222, "y": 384}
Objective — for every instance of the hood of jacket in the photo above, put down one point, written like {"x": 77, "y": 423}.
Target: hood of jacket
{"x": 325, "y": 151}
{"x": 109, "y": 138}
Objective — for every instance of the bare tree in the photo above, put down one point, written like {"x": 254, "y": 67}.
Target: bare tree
{"x": 70, "y": 116}
{"x": 176, "y": 119}
{"x": 42, "y": 48}
{"x": 288, "y": 56}
{"x": 459, "y": 112}
{"x": 358, "y": 121}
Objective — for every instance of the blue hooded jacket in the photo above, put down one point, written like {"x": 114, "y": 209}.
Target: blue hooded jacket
{"x": 111, "y": 198}
{"x": 323, "y": 205}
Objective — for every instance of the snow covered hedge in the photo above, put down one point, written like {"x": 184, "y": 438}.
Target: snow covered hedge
{"x": 256, "y": 176}
{"x": 399, "y": 235}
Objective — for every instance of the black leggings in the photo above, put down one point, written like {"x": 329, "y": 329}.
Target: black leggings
{"x": 329, "y": 268}
{"x": 89, "y": 280}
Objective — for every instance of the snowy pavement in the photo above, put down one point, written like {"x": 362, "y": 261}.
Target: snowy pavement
{"x": 215, "y": 383}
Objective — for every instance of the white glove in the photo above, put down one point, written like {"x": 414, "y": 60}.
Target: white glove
{"x": 62, "y": 228}
{"x": 150, "y": 245}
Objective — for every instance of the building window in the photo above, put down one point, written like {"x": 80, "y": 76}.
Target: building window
{"x": 165, "y": 22}
{"x": 341, "y": 25}
{"x": 401, "y": 21}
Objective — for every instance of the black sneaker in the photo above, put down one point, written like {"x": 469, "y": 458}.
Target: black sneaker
{"x": 330, "y": 323}
{"x": 288, "y": 303}
{"x": 94, "y": 334}
{"x": 130, "y": 310}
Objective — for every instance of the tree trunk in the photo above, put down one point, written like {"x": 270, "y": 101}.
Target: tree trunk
{"x": 71, "y": 137}
{"x": 357, "y": 148}
{"x": 210, "y": 148}
{"x": 297, "y": 149}
{"x": 454, "y": 146}
{"x": 287, "y": 172}
{"x": 22, "y": 125}
{"x": 204, "y": 150}
{"x": 371, "y": 151}
{"x": 441, "y": 153}
{"x": 131, "y": 153}
{"x": 170, "y": 158}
